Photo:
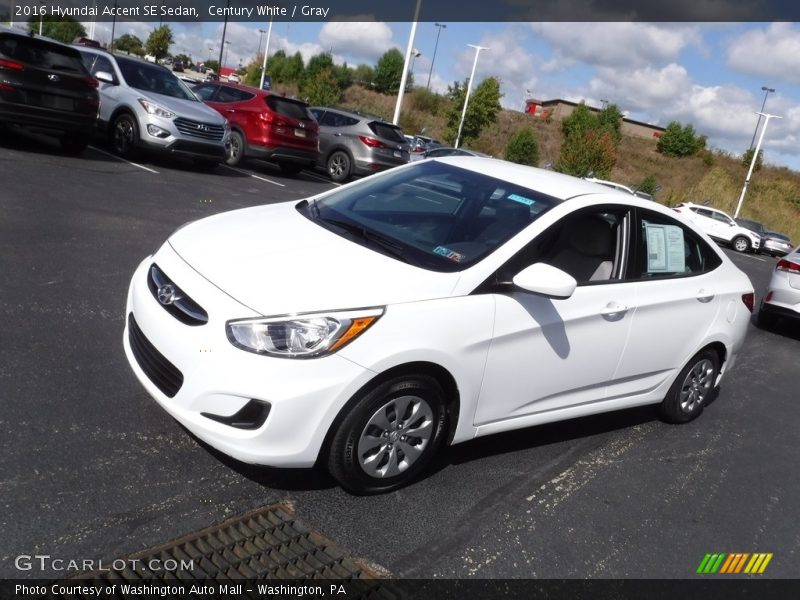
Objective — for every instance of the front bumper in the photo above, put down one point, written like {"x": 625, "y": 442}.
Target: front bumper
{"x": 303, "y": 396}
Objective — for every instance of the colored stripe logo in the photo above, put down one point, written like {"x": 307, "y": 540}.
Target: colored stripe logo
{"x": 738, "y": 562}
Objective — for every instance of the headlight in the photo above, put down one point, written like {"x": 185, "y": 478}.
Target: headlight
{"x": 155, "y": 109}
{"x": 302, "y": 336}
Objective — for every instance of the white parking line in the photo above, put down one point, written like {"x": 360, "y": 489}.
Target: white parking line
{"x": 254, "y": 176}
{"x": 318, "y": 178}
{"x": 123, "y": 160}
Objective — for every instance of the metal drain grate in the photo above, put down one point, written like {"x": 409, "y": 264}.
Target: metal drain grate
{"x": 268, "y": 543}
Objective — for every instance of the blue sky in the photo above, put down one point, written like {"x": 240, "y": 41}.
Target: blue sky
{"x": 707, "y": 74}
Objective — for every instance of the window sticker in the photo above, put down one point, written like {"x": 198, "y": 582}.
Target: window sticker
{"x": 665, "y": 249}
{"x": 521, "y": 199}
{"x": 447, "y": 253}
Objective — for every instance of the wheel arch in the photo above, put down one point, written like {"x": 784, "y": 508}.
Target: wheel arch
{"x": 442, "y": 376}
{"x": 120, "y": 110}
{"x": 341, "y": 147}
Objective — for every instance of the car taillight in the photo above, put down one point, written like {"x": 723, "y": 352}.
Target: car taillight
{"x": 788, "y": 266}
{"x": 90, "y": 81}
{"x": 749, "y": 300}
{"x": 7, "y": 87}
{"x": 12, "y": 65}
{"x": 371, "y": 142}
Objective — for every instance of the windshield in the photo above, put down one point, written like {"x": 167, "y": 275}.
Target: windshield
{"x": 432, "y": 215}
{"x": 152, "y": 78}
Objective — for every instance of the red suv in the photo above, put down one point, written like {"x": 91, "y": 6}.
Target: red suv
{"x": 264, "y": 125}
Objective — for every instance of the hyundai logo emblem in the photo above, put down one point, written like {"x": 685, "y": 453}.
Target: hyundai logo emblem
{"x": 53, "y": 77}
{"x": 202, "y": 127}
{"x": 167, "y": 294}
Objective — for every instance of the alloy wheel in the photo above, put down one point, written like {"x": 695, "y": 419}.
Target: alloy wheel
{"x": 696, "y": 385}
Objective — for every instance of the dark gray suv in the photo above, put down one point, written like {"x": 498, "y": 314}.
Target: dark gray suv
{"x": 351, "y": 143}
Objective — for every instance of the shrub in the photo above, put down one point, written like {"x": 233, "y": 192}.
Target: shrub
{"x": 592, "y": 151}
{"x": 680, "y": 140}
{"x": 523, "y": 148}
{"x": 747, "y": 158}
{"x": 648, "y": 185}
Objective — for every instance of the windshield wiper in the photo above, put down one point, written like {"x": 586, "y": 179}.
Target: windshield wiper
{"x": 385, "y": 244}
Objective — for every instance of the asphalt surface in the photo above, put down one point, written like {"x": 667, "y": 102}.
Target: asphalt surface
{"x": 92, "y": 468}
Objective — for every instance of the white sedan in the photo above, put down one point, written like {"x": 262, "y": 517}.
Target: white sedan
{"x": 782, "y": 299}
{"x": 369, "y": 326}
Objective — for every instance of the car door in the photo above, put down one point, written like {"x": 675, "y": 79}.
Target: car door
{"x": 228, "y": 101}
{"x": 109, "y": 92}
{"x": 549, "y": 354}
{"x": 725, "y": 227}
{"x": 676, "y": 303}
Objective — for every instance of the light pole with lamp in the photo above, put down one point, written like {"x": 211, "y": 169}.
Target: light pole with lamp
{"x": 439, "y": 27}
{"x": 469, "y": 89}
{"x": 767, "y": 117}
{"x": 225, "y": 59}
{"x": 603, "y": 103}
{"x": 766, "y": 91}
{"x": 399, "y": 104}
{"x": 41, "y": 17}
{"x": 224, "y": 31}
{"x": 266, "y": 53}
{"x": 414, "y": 55}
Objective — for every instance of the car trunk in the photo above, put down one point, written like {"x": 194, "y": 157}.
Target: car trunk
{"x": 292, "y": 124}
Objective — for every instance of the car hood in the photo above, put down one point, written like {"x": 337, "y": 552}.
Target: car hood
{"x": 276, "y": 261}
{"x": 187, "y": 109}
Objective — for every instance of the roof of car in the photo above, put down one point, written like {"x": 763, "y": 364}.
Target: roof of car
{"x": 548, "y": 182}
{"x": 104, "y": 52}
{"x": 356, "y": 113}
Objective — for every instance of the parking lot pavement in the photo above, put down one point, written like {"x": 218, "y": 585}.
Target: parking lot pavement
{"x": 92, "y": 468}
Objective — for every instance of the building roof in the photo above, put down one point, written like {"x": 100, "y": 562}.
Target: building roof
{"x": 556, "y": 101}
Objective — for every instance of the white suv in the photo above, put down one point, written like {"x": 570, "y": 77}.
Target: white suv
{"x": 716, "y": 224}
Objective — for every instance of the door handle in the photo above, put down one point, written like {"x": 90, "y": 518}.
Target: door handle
{"x": 704, "y": 296}
{"x": 614, "y": 311}
{"x": 230, "y": 110}
{"x": 337, "y": 134}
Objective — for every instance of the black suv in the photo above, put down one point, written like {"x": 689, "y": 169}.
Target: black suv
{"x": 45, "y": 87}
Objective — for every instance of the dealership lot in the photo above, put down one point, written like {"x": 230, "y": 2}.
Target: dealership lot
{"x": 93, "y": 468}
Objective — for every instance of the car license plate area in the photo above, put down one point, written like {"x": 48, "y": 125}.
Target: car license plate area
{"x": 51, "y": 101}
{"x": 300, "y": 132}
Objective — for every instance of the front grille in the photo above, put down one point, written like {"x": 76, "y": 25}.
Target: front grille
{"x": 158, "y": 369}
{"x": 202, "y": 131}
{"x": 173, "y": 299}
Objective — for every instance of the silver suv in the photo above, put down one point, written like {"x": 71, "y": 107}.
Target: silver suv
{"x": 143, "y": 105}
{"x": 351, "y": 143}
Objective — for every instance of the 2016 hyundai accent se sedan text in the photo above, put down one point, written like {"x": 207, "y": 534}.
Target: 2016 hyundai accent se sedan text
{"x": 366, "y": 328}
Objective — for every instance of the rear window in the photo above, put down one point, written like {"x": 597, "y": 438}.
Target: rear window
{"x": 289, "y": 108}
{"x": 41, "y": 54}
{"x": 388, "y": 132}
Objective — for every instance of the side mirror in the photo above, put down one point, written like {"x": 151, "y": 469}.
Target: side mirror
{"x": 104, "y": 77}
{"x": 546, "y": 280}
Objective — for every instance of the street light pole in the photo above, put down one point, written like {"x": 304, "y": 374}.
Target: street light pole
{"x": 414, "y": 55}
{"x": 402, "y": 90}
{"x": 767, "y": 117}
{"x": 266, "y": 53}
{"x": 41, "y": 18}
{"x": 439, "y": 27}
{"x": 766, "y": 91}
{"x": 227, "y": 47}
{"x": 469, "y": 89}
{"x": 222, "y": 43}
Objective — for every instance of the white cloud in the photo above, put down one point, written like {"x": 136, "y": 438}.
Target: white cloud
{"x": 362, "y": 42}
{"x": 647, "y": 88}
{"x": 616, "y": 44}
{"x": 772, "y": 52}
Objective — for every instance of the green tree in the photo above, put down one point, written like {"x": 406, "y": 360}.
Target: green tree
{"x": 610, "y": 119}
{"x": 63, "y": 29}
{"x": 363, "y": 75}
{"x": 322, "y": 89}
{"x": 484, "y": 104}
{"x": 523, "y": 148}
{"x": 591, "y": 151}
{"x": 252, "y": 72}
{"x": 680, "y": 140}
{"x": 213, "y": 65}
{"x": 747, "y": 158}
{"x": 580, "y": 120}
{"x": 389, "y": 72}
{"x": 648, "y": 185}
{"x": 130, "y": 44}
{"x": 159, "y": 41}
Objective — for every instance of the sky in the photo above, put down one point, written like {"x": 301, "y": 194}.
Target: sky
{"x": 707, "y": 74}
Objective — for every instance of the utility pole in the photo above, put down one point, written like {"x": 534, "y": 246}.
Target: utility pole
{"x": 469, "y": 89}
{"x": 767, "y": 117}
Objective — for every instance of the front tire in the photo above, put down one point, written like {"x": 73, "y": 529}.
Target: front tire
{"x": 237, "y": 149}
{"x": 693, "y": 389}
{"x": 125, "y": 135}
{"x": 339, "y": 166}
{"x": 389, "y": 436}
{"x": 740, "y": 244}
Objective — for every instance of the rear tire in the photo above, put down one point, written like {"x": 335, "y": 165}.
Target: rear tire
{"x": 74, "y": 144}
{"x": 237, "y": 149}
{"x": 125, "y": 135}
{"x": 740, "y": 244}
{"x": 389, "y": 436}
{"x": 693, "y": 388}
{"x": 288, "y": 168}
{"x": 339, "y": 166}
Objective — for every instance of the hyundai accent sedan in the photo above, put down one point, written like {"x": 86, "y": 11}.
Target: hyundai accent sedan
{"x": 366, "y": 328}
